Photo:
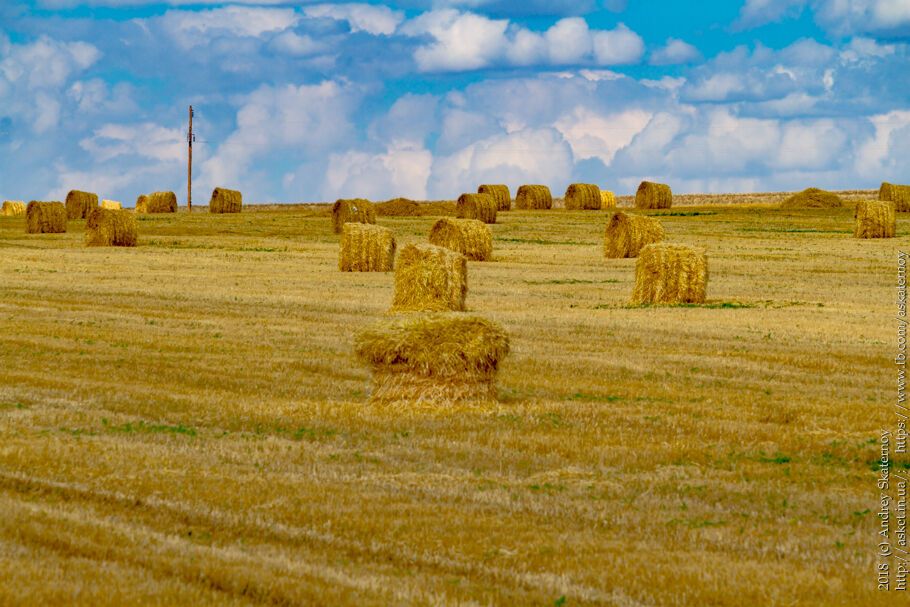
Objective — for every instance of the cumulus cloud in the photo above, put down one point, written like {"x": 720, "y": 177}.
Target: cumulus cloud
{"x": 619, "y": 46}
{"x": 377, "y": 20}
{"x": 843, "y": 17}
{"x": 401, "y": 170}
{"x": 675, "y": 52}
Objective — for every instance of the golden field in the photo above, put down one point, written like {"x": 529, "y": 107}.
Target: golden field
{"x": 184, "y": 422}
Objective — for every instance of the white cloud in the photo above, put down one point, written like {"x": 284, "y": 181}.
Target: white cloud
{"x": 568, "y": 41}
{"x": 293, "y": 44}
{"x": 463, "y": 41}
{"x": 402, "y": 170}
{"x": 190, "y": 29}
{"x": 376, "y": 20}
{"x": 593, "y": 135}
{"x": 674, "y": 53}
{"x": 619, "y": 46}
{"x": 144, "y": 140}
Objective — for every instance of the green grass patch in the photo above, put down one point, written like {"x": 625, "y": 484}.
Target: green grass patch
{"x": 143, "y": 427}
{"x": 571, "y": 281}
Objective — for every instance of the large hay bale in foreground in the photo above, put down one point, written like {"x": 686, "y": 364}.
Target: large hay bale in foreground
{"x": 354, "y": 210}
{"x": 45, "y": 218}
{"x": 874, "y": 219}
{"x": 652, "y": 195}
{"x": 500, "y": 194}
{"x": 157, "y": 202}
{"x": 366, "y": 248}
{"x": 626, "y": 235}
{"x": 482, "y": 207}
{"x": 225, "y": 201}
{"x": 13, "y": 208}
{"x": 670, "y": 274}
{"x": 470, "y": 237}
{"x": 812, "y": 198}
{"x": 607, "y": 199}
{"x": 583, "y": 197}
{"x": 111, "y": 228}
{"x": 898, "y": 194}
{"x": 79, "y": 204}
{"x": 533, "y": 197}
{"x": 111, "y": 205}
{"x": 434, "y": 360}
{"x": 430, "y": 279}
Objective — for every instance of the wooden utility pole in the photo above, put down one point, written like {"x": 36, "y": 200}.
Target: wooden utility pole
{"x": 189, "y": 166}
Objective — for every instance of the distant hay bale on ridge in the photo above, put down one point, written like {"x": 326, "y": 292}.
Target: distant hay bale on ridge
{"x": 352, "y": 210}
{"x": 79, "y": 204}
{"x": 500, "y": 194}
{"x": 670, "y": 274}
{"x": 435, "y": 360}
{"x": 430, "y": 279}
{"x": 652, "y": 195}
{"x": 45, "y": 218}
{"x": 111, "y": 228}
{"x": 812, "y": 198}
{"x": 898, "y": 194}
{"x": 366, "y": 248}
{"x": 627, "y": 234}
{"x": 13, "y": 208}
{"x": 470, "y": 237}
{"x": 111, "y": 205}
{"x": 533, "y": 197}
{"x": 482, "y": 207}
{"x": 397, "y": 207}
{"x": 874, "y": 219}
{"x": 607, "y": 199}
{"x": 225, "y": 201}
{"x": 583, "y": 197}
{"x": 157, "y": 202}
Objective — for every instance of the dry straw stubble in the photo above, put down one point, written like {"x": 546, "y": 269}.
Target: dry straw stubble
{"x": 157, "y": 202}
{"x": 652, "y": 195}
{"x": 13, "y": 208}
{"x": 898, "y": 194}
{"x": 470, "y": 237}
{"x": 366, "y": 248}
{"x": 533, "y": 197}
{"x": 45, "y": 218}
{"x": 500, "y": 194}
{"x": 430, "y": 279}
{"x": 583, "y": 197}
{"x": 79, "y": 204}
{"x": 670, "y": 274}
{"x": 874, "y": 219}
{"x": 482, "y": 207}
{"x": 353, "y": 210}
{"x": 111, "y": 228}
{"x": 626, "y": 234}
{"x": 225, "y": 201}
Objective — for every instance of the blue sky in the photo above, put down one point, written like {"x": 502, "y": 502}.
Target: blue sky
{"x": 309, "y": 101}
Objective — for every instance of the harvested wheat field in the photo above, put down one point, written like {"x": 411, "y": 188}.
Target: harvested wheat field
{"x": 185, "y": 422}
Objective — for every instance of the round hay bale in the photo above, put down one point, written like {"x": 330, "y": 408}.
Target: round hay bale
{"x": 607, "y": 200}
{"x": 500, "y": 194}
{"x": 45, "y": 218}
{"x": 111, "y": 228}
{"x": 430, "y": 279}
{"x": 354, "y": 210}
{"x": 626, "y": 235}
{"x": 533, "y": 197}
{"x": 470, "y": 237}
{"x": 652, "y": 195}
{"x": 225, "y": 201}
{"x": 111, "y": 205}
{"x": 482, "y": 207}
{"x": 874, "y": 219}
{"x": 157, "y": 202}
{"x": 397, "y": 207}
{"x": 812, "y": 198}
{"x": 79, "y": 204}
{"x": 366, "y": 248}
{"x": 437, "y": 360}
{"x": 670, "y": 274}
{"x": 13, "y": 208}
{"x": 898, "y": 194}
{"x": 583, "y": 197}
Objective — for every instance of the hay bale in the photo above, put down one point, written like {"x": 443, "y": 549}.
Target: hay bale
{"x": 874, "y": 219}
{"x": 433, "y": 360}
{"x": 397, "y": 207}
{"x": 583, "y": 197}
{"x": 898, "y": 194}
{"x": 225, "y": 201}
{"x": 111, "y": 228}
{"x": 652, "y": 195}
{"x": 500, "y": 194}
{"x": 430, "y": 278}
{"x": 482, "y": 207}
{"x": 13, "y": 208}
{"x": 607, "y": 200}
{"x": 670, "y": 274}
{"x": 355, "y": 210}
{"x": 626, "y": 235}
{"x": 366, "y": 248}
{"x": 470, "y": 237}
{"x": 79, "y": 204}
{"x": 812, "y": 198}
{"x": 111, "y": 205}
{"x": 157, "y": 202}
{"x": 533, "y": 197}
{"x": 45, "y": 218}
